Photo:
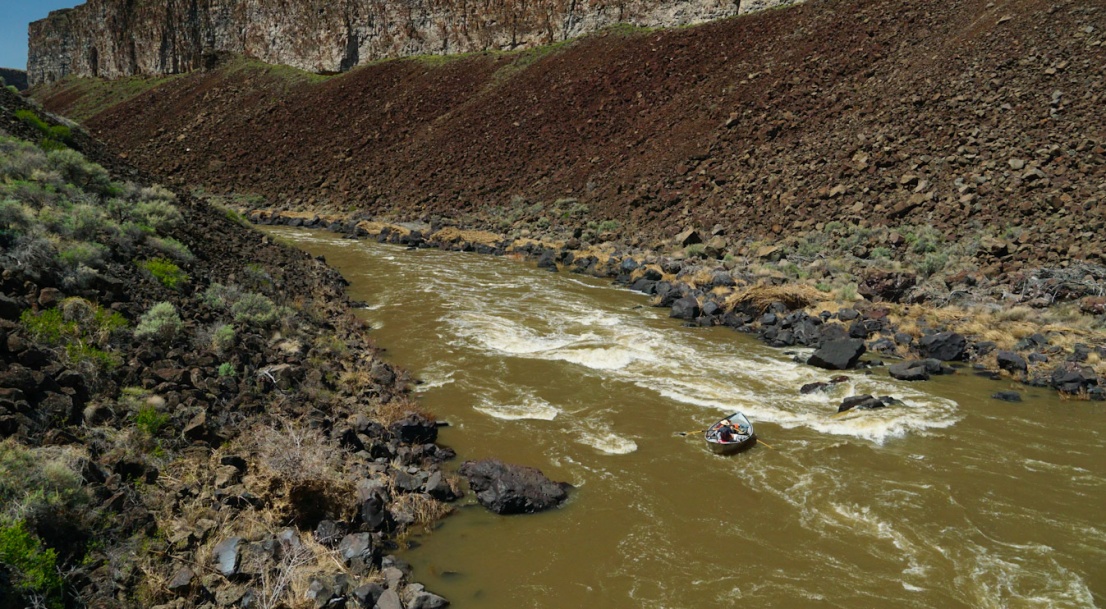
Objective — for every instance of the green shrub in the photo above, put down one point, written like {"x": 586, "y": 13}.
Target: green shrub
{"x": 880, "y": 253}
{"x": 92, "y": 320}
{"x": 31, "y": 118}
{"x": 256, "y": 276}
{"x": 81, "y": 327}
{"x": 89, "y": 254}
{"x": 933, "y": 263}
{"x": 158, "y": 214}
{"x": 696, "y": 250}
{"x": 172, "y": 248}
{"x": 48, "y": 326}
{"x": 14, "y": 215}
{"x": 149, "y": 420}
{"x": 81, "y": 353}
{"x": 607, "y": 226}
{"x": 161, "y": 321}
{"x": 76, "y": 169}
{"x": 223, "y": 338}
{"x": 256, "y": 309}
{"x": 87, "y": 223}
{"x": 165, "y": 272}
{"x": 219, "y": 296}
{"x": 227, "y": 369}
{"x": 38, "y": 480}
{"x": 34, "y": 570}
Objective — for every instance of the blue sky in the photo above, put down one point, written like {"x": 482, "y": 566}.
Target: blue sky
{"x": 14, "y": 17}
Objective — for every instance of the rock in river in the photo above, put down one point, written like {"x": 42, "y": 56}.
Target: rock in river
{"x": 513, "y": 489}
{"x": 838, "y": 354}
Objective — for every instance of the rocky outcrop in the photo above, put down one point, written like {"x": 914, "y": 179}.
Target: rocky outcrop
{"x": 14, "y": 78}
{"x": 113, "y": 38}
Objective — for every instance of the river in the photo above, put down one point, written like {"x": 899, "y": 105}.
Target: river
{"x": 951, "y": 500}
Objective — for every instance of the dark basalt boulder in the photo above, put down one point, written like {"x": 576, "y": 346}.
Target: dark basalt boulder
{"x": 1070, "y": 377}
{"x": 861, "y": 402}
{"x": 945, "y": 346}
{"x": 822, "y": 386}
{"x": 414, "y": 429}
{"x": 1007, "y": 396}
{"x": 1011, "y": 362}
{"x": 686, "y": 308}
{"x": 919, "y": 370}
{"x": 838, "y": 354}
{"x": 513, "y": 489}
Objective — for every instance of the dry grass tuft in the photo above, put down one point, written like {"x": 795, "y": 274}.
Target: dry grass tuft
{"x": 455, "y": 235}
{"x": 396, "y": 410}
{"x": 425, "y": 509}
{"x": 795, "y": 296}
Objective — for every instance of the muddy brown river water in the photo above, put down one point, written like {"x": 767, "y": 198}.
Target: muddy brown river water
{"x": 953, "y": 500}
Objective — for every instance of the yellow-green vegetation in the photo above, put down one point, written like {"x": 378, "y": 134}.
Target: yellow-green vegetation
{"x": 95, "y": 95}
{"x": 82, "y": 329}
{"x": 165, "y": 271}
{"x": 525, "y": 58}
{"x": 38, "y": 486}
{"x": 34, "y": 570}
{"x": 241, "y": 67}
{"x": 53, "y": 137}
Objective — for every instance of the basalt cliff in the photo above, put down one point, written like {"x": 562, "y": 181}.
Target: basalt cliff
{"x": 113, "y": 38}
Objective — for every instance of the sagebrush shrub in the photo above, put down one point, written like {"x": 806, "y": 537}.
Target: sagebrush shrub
{"x": 77, "y": 170}
{"x": 161, "y": 322}
{"x": 256, "y": 309}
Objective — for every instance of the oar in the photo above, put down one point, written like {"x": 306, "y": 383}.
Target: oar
{"x": 684, "y": 433}
{"x": 759, "y": 441}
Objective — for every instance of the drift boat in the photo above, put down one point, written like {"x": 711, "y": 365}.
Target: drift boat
{"x": 741, "y": 435}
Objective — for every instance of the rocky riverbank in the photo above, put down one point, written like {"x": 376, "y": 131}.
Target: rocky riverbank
{"x": 190, "y": 415}
{"x": 1043, "y": 327}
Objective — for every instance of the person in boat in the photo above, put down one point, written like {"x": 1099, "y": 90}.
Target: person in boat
{"x": 726, "y": 431}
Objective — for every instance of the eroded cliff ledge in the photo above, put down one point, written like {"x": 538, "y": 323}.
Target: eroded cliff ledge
{"x": 114, "y": 38}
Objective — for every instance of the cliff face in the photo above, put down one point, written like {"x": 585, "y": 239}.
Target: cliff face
{"x": 113, "y": 38}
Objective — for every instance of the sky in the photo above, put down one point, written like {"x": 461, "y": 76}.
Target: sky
{"x": 15, "y": 15}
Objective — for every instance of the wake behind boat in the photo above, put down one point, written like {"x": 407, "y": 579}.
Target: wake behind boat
{"x": 730, "y": 435}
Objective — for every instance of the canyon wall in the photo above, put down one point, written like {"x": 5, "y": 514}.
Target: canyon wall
{"x": 116, "y": 38}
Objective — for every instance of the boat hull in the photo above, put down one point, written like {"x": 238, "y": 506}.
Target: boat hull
{"x": 729, "y": 448}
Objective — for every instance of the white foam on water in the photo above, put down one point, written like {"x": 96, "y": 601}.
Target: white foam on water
{"x": 608, "y": 443}
{"x": 529, "y": 407}
{"x": 502, "y": 336}
{"x": 597, "y": 359}
{"x": 433, "y": 378}
{"x": 1000, "y": 578}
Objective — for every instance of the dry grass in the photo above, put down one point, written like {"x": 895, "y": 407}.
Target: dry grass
{"x": 396, "y": 410}
{"x": 425, "y": 509}
{"x": 375, "y": 228}
{"x": 453, "y": 235}
{"x": 795, "y": 296}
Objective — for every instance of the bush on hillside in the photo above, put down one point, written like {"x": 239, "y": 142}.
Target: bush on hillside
{"x": 33, "y": 569}
{"x": 75, "y": 169}
{"x": 160, "y": 322}
{"x": 255, "y": 309}
{"x": 165, "y": 272}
